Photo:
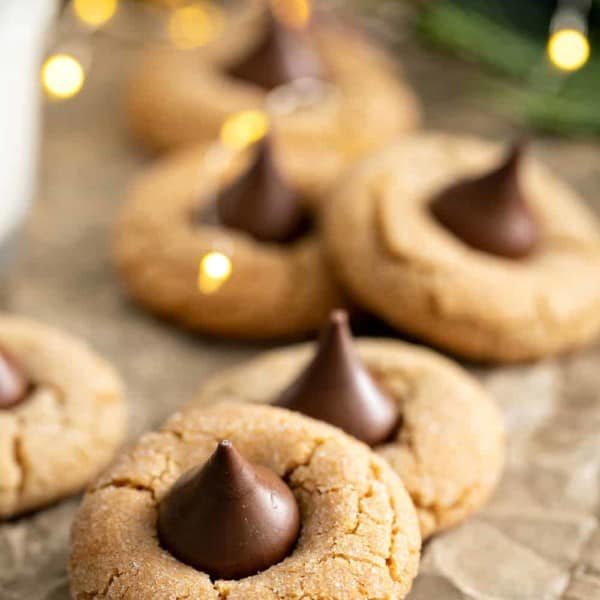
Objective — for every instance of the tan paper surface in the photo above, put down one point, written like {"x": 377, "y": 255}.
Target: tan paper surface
{"x": 537, "y": 540}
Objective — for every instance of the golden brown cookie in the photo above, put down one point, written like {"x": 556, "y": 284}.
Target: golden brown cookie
{"x": 67, "y": 423}
{"x": 400, "y": 262}
{"x": 449, "y": 446}
{"x": 359, "y": 536}
{"x": 177, "y": 98}
{"x": 273, "y": 290}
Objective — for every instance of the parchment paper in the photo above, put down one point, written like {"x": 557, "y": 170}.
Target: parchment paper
{"x": 537, "y": 539}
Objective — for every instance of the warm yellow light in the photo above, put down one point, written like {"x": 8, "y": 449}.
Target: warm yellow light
{"x": 568, "y": 49}
{"x": 215, "y": 270}
{"x": 62, "y": 76}
{"x": 293, "y": 13}
{"x": 244, "y": 128}
{"x": 195, "y": 25}
{"x": 95, "y": 12}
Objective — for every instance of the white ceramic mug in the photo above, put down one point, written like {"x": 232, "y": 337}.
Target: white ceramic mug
{"x": 23, "y": 27}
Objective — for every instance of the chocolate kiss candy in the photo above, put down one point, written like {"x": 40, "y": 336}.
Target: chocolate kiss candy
{"x": 338, "y": 389}
{"x": 13, "y": 383}
{"x": 282, "y": 56}
{"x": 229, "y": 518}
{"x": 490, "y": 213}
{"x": 260, "y": 202}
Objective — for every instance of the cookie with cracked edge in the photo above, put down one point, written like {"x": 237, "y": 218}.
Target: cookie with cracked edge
{"x": 359, "y": 535}
{"x": 398, "y": 261}
{"x": 178, "y": 98}
{"x": 275, "y": 290}
{"x": 67, "y": 426}
{"x": 448, "y": 447}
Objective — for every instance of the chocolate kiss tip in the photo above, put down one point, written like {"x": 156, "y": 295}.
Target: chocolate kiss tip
{"x": 226, "y": 453}
{"x": 489, "y": 212}
{"x": 337, "y": 388}
{"x": 338, "y": 317}
{"x": 260, "y": 201}
{"x": 13, "y": 382}
{"x": 229, "y": 518}
{"x": 515, "y": 155}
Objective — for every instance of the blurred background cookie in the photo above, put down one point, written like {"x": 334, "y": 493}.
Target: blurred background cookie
{"x": 62, "y": 415}
{"x": 488, "y": 255}
{"x": 222, "y": 242}
{"x": 333, "y": 94}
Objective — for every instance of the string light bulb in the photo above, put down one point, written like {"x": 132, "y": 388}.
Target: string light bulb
{"x": 292, "y": 13}
{"x": 568, "y": 49}
{"x": 215, "y": 269}
{"x": 62, "y": 76}
{"x": 195, "y": 25}
{"x": 244, "y": 129}
{"x": 95, "y": 12}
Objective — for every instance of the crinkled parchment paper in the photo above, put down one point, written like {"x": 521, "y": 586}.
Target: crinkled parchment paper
{"x": 537, "y": 539}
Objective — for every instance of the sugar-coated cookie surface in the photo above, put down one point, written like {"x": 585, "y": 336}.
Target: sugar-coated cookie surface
{"x": 359, "y": 535}
{"x": 401, "y": 263}
{"x": 68, "y": 426}
{"x": 449, "y": 447}
{"x": 274, "y": 290}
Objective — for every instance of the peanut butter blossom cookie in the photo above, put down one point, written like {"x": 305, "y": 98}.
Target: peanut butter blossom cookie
{"x": 246, "y": 503}
{"x": 332, "y": 93}
{"x": 428, "y": 418}
{"x": 225, "y": 246}
{"x": 480, "y": 250}
{"x": 61, "y": 415}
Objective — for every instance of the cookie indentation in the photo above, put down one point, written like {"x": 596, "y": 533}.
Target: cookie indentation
{"x": 229, "y": 518}
{"x": 490, "y": 212}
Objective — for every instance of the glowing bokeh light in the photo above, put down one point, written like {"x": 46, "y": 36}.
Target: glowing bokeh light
{"x": 95, "y": 12}
{"x": 293, "y": 13}
{"x": 215, "y": 269}
{"x": 195, "y": 25}
{"x": 62, "y": 76}
{"x": 568, "y": 49}
{"x": 244, "y": 129}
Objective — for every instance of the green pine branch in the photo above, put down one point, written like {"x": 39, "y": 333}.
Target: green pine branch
{"x": 541, "y": 95}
